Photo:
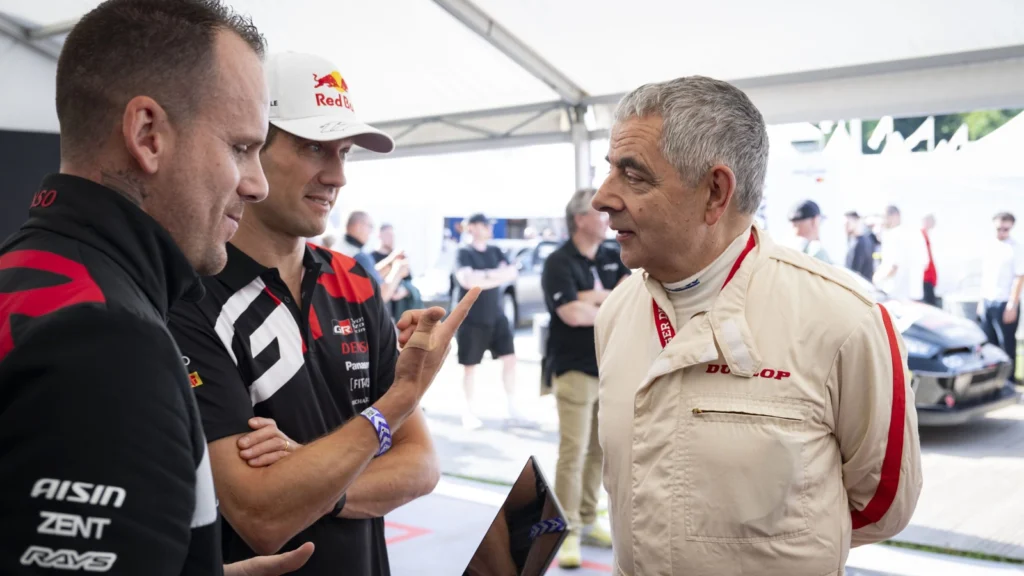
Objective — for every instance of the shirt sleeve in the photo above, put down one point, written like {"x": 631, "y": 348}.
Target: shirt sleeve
{"x": 220, "y": 390}
{"x": 876, "y": 427}
{"x": 97, "y": 466}
{"x": 1018, "y": 260}
{"x": 465, "y": 259}
{"x": 366, "y": 261}
{"x": 557, "y": 282}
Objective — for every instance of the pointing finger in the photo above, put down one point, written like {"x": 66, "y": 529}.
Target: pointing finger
{"x": 458, "y": 315}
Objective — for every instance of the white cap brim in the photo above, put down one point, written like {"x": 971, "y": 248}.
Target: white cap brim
{"x": 328, "y": 128}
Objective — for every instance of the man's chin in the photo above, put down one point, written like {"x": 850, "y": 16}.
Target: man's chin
{"x": 213, "y": 262}
{"x": 630, "y": 257}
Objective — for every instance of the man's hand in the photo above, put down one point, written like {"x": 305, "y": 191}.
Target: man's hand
{"x": 426, "y": 348}
{"x": 271, "y": 565}
{"x": 266, "y": 445}
{"x": 407, "y": 325}
{"x": 1010, "y": 315}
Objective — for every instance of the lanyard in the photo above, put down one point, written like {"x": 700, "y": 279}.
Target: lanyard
{"x": 662, "y": 323}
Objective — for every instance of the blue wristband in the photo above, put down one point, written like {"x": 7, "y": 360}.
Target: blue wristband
{"x": 381, "y": 426}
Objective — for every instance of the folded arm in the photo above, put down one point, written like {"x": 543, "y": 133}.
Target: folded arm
{"x": 876, "y": 427}
{"x": 486, "y": 279}
{"x": 409, "y": 470}
{"x": 269, "y": 506}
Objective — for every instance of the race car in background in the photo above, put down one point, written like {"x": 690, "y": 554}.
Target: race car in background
{"x": 957, "y": 375}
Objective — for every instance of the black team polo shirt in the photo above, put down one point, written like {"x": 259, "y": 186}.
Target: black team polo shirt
{"x": 251, "y": 351}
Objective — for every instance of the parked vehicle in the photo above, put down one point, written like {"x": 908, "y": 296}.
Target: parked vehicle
{"x": 957, "y": 375}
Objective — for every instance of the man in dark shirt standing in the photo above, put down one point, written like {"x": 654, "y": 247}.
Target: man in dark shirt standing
{"x": 861, "y": 247}
{"x": 483, "y": 266}
{"x": 577, "y": 278}
{"x": 104, "y": 467}
{"x": 296, "y": 342}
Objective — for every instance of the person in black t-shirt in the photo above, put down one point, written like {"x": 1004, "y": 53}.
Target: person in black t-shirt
{"x": 104, "y": 466}
{"x": 577, "y": 278}
{"x": 483, "y": 266}
{"x": 310, "y": 411}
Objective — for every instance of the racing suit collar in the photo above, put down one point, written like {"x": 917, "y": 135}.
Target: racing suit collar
{"x": 102, "y": 218}
{"x": 727, "y": 319}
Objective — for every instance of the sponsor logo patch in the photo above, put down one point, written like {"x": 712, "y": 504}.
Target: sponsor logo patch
{"x": 195, "y": 379}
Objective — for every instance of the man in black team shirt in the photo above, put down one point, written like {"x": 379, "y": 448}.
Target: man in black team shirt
{"x": 294, "y": 341}
{"x": 577, "y": 279}
{"x": 104, "y": 468}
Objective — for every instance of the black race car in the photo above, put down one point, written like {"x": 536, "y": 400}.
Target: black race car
{"x": 957, "y": 374}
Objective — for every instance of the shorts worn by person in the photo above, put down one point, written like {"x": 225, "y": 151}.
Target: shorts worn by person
{"x": 577, "y": 279}
{"x": 105, "y": 468}
{"x": 296, "y": 337}
{"x": 755, "y": 404}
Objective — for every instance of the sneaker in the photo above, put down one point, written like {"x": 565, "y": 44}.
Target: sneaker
{"x": 471, "y": 422}
{"x": 595, "y": 535}
{"x": 569, "y": 555}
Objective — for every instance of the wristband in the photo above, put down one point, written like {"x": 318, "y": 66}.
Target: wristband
{"x": 380, "y": 425}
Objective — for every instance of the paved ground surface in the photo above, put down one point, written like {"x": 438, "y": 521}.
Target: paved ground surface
{"x": 973, "y": 497}
{"x": 437, "y": 536}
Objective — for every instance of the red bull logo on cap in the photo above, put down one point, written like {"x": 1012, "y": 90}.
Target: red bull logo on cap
{"x": 332, "y": 80}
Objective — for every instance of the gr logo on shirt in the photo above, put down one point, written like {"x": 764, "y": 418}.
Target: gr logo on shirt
{"x": 350, "y": 326}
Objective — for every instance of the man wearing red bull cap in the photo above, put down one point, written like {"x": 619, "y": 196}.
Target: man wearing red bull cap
{"x": 292, "y": 341}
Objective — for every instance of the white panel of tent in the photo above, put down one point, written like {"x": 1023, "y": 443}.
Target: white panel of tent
{"x": 401, "y": 58}
{"x": 48, "y": 12}
{"x": 28, "y": 110}
{"x": 610, "y": 47}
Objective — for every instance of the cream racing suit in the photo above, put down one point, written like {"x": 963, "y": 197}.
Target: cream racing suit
{"x": 766, "y": 437}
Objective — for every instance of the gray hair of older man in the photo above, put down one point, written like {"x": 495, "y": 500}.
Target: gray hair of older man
{"x": 578, "y": 204}
{"x": 706, "y": 122}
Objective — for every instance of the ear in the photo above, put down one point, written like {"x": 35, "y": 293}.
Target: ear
{"x": 721, "y": 188}
{"x": 147, "y": 133}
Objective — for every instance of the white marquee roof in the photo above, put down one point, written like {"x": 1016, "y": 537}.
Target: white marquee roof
{"x": 425, "y": 70}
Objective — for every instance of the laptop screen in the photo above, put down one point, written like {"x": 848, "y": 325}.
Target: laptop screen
{"x": 526, "y": 532}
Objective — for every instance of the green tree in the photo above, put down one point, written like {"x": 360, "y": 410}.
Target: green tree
{"x": 980, "y": 123}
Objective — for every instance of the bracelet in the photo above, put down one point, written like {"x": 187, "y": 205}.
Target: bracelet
{"x": 381, "y": 426}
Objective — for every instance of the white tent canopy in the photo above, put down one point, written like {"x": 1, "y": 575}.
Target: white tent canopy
{"x": 450, "y": 75}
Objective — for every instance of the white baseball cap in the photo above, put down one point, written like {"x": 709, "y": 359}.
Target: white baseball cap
{"x": 310, "y": 99}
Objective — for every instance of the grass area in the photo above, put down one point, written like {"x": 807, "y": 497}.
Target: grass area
{"x": 951, "y": 552}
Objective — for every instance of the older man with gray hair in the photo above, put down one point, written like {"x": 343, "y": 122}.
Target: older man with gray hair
{"x": 755, "y": 410}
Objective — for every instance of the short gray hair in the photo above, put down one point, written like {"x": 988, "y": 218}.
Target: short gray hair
{"x": 706, "y": 122}
{"x": 578, "y": 204}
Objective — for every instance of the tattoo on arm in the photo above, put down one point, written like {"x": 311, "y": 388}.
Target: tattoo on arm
{"x": 126, "y": 184}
